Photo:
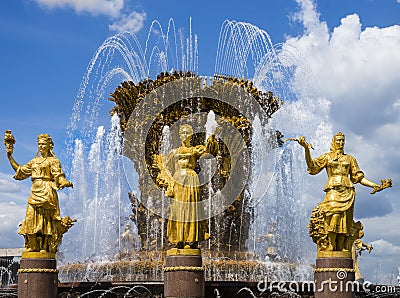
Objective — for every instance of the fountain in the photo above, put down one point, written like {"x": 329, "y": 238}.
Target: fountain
{"x": 255, "y": 213}
{"x": 250, "y": 185}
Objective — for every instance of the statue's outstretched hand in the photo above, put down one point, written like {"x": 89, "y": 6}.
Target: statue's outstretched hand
{"x": 66, "y": 184}
{"x": 384, "y": 184}
{"x": 302, "y": 141}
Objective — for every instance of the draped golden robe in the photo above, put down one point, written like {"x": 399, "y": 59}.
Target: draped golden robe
{"x": 338, "y": 204}
{"x": 185, "y": 222}
{"x": 43, "y": 208}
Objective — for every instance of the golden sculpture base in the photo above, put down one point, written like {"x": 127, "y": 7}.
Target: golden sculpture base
{"x": 334, "y": 254}
{"x": 183, "y": 252}
{"x": 38, "y": 255}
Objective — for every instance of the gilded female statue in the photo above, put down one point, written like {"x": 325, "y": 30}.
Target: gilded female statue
{"x": 185, "y": 225}
{"x": 332, "y": 220}
{"x": 43, "y": 226}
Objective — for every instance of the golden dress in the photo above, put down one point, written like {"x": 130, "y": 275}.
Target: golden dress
{"x": 185, "y": 222}
{"x": 43, "y": 208}
{"x": 338, "y": 204}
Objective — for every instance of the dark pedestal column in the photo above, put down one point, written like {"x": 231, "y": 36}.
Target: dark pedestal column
{"x": 37, "y": 278}
{"x": 334, "y": 275}
{"x": 184, "y": 274}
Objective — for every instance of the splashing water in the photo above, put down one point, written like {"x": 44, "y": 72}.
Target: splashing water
{"x": 245, "y": 50}
{"x": 122, "y": 58}
{"x": 99, "y": 200}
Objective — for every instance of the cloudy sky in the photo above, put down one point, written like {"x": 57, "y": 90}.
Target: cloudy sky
{"x": 352, "y": 49}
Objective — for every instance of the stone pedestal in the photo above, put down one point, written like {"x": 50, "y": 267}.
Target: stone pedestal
{"x": 184, "y": 274}
{"x": 37, "y": 277}
{"x": 334, "y": 275}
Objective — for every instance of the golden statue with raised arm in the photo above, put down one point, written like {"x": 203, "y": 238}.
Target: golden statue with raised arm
{"x": 43, "y": 226}
{"x": 332, "y": 220}
{"x": 185, "y": 224}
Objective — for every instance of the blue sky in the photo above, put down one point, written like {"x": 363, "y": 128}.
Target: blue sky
{"x": 45, "y": 50}
{"x": 352, "y": 48}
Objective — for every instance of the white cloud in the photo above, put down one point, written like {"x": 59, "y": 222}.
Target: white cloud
{"x": 384, "y": 247}
{"x": 307, "y": 14}
{"x": 10, "y": 217}
{"x": 132, "y": 22}
{"x": 95, "y": 7}
{"x": 356, "y": 69}
{"x": 11, "y": 190}
{"x": 13, "y": 198}
{"x": 385, "y": 227}
{"x": 115, "y": 9}
{"x": 8, "y": 186}
{"x": 396, "y": 105}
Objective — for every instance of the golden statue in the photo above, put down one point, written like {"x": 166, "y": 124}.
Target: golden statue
{"x": 358, "y": 246}
{"x": 43, "y": 226}
{"x": 127, "y": 240}
{"x": 185, "y": 225}
{"x": 332, "y": 220}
